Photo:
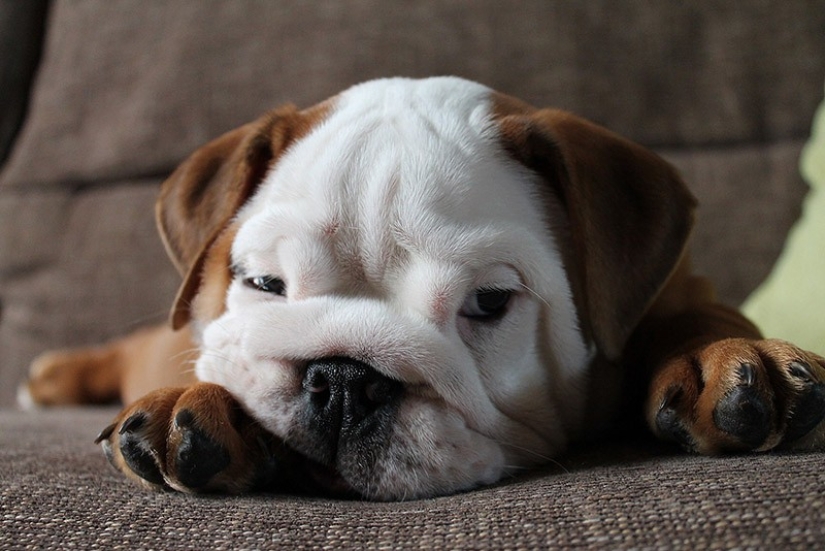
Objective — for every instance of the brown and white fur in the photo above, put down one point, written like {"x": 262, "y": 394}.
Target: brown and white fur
{"x": 418, "y": 287}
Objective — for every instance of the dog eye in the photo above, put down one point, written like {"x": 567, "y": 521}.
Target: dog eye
{"x": 266, "y": 284}
{"x": 486, "y": 304}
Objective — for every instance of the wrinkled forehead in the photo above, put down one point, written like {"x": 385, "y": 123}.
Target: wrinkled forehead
{"x": 422, "y": 174}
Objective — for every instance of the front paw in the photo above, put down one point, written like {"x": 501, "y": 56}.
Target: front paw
{"x": 738, "y": 395}
{"x": 195, "y": 439}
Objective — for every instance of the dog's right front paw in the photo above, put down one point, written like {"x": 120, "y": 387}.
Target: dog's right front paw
{"x": 195, "y": 439}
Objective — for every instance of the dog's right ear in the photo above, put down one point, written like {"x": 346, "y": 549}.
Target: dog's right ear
{"x": 201, "y": 197}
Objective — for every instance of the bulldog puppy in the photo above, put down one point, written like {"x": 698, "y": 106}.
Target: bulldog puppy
{"x": 418, "y": 287}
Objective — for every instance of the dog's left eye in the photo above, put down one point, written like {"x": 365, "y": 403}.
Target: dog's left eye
{"x": 266, "y": 284}
{"x": 486, "y": 304}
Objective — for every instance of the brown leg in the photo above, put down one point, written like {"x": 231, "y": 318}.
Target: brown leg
{"x": 195, "y": 439}
{"x": 124, "y": 369}
{"x": 83, "y": 376}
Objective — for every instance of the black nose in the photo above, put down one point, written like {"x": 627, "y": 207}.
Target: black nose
{"x": 346, "y": 399}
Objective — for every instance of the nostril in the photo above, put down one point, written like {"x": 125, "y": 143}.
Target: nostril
{"x": 317, "y": 383}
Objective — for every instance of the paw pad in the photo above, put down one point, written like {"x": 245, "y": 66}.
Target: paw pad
{"x": 743, "y": 412}
{"x": 669, "y": 423}
{"x": 136, "y": 451}
{"x": 198, "y": 457}
{"x": 809, "y": 409}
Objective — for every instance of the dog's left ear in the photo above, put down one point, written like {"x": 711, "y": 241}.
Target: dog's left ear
{"x": 630, "y": 214}
{"x": 198, "y": 201}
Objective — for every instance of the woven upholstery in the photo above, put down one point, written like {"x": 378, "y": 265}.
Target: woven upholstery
{"x": 59, "y": 493}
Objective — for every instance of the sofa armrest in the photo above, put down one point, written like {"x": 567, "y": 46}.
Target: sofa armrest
{"x": 22, "y": 28}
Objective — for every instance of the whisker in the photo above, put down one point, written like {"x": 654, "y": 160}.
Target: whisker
{"x": 227, "y": 359}
{"x": 535, "y": 294}
{"x": 185, "y": 353}
{"x": 155, "y": 317}
{"x": 190, "y": 370}
{"x": 221, "y": 326}
{"x": 534, "y": 453}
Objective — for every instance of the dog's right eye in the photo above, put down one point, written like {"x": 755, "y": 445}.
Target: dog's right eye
{"x": 486, "y": 304}
{"x": 267, "y": 284}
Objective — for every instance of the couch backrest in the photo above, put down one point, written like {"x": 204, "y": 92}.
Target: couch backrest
{"x": 130, "y": 87}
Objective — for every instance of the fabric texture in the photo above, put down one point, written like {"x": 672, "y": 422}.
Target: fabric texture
{"x": 126, "y": 89}
{"x": 59, "y": 493}
{"x": 160, "y": 79}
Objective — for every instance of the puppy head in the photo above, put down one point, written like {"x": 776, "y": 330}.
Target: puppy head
{"x": 408, "y": 282}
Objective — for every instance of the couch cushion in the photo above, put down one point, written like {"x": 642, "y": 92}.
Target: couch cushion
{"x": 749, "y": 196}
{"x": 58, "y": 492}
{"x": 77, "y": 268}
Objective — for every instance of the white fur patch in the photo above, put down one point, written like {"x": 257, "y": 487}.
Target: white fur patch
{"x": 381, "y": 222}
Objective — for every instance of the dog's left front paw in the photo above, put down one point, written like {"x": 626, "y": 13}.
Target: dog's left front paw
{"x": 195, "y": 439}
{"x": 740, "y": 395}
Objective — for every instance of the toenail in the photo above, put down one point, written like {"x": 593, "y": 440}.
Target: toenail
{"x": 133, "y": 423}
{"x": 747, "y": 374}
{"x": 105, "y": 433}
{"x": 801, "y": 370}
{"x": 184, "y": 418}
{"x": 672, "y": 395}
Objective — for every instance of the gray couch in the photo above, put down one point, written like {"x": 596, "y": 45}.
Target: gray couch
{"x": 125, "y": 89}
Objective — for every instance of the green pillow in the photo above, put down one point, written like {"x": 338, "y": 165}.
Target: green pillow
{"x": 790, "y": 304}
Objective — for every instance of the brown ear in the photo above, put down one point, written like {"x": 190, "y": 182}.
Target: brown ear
{"x": 630, "y": 214}
{"x": 204, "y": 193}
